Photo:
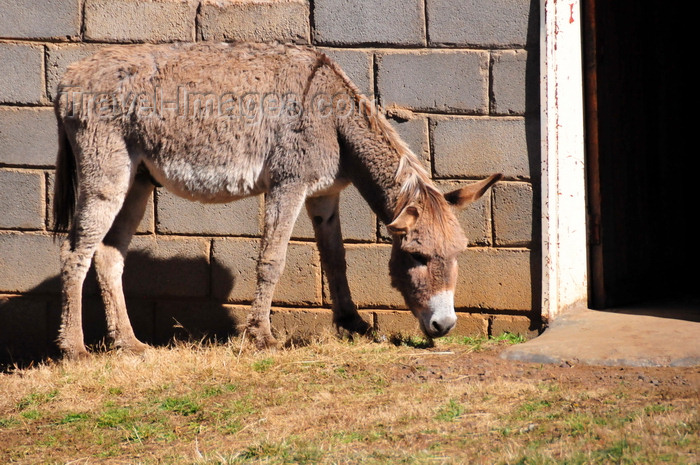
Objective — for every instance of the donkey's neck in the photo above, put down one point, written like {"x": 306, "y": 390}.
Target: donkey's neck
{"x": 373, "y": 156}
{"x": 371, "y": 153}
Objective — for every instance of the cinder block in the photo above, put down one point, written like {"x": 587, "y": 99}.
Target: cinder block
{"x": 234, "y": 269}
{"x": 59, "y": 56}
{"x": 482, "y": 22}
{"x": 182, "y": 216}
{"x": 340, "y": 22}
{"x": 513, "y": 213}
{"x": 237, "y": 315}
{"x": 258, "y": 21}
{"x": 357, "y": 221}
{"x": 495, "y": 279}
{"x": 196, "y": 320}
{"x": 476, "y": 218}
{"x": 368, "y": 276}
{"x": 28, "y": 136}
{"x": 303, "y": 228}
{"x": 357, "y": 64}
{"x": 234, "y": 272}
{"x": 21, "y": 73}
{"x": 515, "y": 87}
{"x": 30, "y": 263}
{"x": 22, "y": 199}
{"x": 140, "y": 21}
{"x": 514, "y": 324}
{"x": 29, "y": 19}
{"x": 23, "y": 328}
{"x": 478, "y": 147}
{"x": 471, "y": 324}
{"x": 167, "y": 267}
{"x": 148, "y": 222}
{"x": 300, "y": 283}
{"x": 296, "y": 323}
{"x": 396, "y": 322}
{"x": 415, "y": 133}
{"x": 437, "y": 80}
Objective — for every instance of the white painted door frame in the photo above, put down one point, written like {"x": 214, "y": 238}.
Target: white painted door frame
{"x": 564, "y": 254}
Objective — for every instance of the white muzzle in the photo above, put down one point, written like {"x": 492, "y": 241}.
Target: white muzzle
{"x": 441, "y": 317}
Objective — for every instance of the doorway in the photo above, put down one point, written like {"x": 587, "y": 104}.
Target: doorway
{"x": 641, "y": 198}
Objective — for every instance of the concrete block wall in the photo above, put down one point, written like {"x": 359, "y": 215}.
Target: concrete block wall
{"x": 458, "y": 79}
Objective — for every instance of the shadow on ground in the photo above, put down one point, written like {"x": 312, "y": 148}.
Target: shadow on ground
{"x": 163, "y": 302}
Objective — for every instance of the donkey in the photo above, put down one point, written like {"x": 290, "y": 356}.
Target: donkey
{"x": 219, "y": 122}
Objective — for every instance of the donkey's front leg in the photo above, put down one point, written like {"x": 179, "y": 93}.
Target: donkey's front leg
{"x": 282, "y": 206}
{"x": 325, "y": 217}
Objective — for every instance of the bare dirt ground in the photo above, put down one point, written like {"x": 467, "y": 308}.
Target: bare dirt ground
{"x": 340, "y": 402}
{"x": 486, "y": 366}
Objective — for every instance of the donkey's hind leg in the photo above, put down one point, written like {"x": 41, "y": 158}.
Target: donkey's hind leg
{"x": 282, "y": 206}
{"x": 104, "y": 172}
{"x": 109, "y": 265}
{"x": 325, "y": 218}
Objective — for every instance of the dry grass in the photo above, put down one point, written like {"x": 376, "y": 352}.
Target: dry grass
{"x": 334, "y": 401}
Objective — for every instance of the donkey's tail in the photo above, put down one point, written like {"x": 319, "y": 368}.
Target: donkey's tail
{"x": 65, "y": 185}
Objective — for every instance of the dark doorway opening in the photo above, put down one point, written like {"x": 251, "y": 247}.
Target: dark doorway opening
{"x": 641, "y": 194}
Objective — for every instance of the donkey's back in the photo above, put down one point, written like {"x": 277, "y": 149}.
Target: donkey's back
{"x": 208, "y": 122}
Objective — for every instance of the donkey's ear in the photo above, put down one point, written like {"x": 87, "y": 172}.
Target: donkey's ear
{"x": 460, "y": 198}
{"x": 405, "y": 221}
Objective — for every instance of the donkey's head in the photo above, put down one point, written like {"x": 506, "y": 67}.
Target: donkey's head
{"x": 426, "y": 241}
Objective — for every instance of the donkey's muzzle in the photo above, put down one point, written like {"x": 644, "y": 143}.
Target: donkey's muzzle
{"x": 440, "y": 317}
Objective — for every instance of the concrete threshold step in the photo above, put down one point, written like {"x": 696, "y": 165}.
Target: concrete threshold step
{"x": 628, "y": 337}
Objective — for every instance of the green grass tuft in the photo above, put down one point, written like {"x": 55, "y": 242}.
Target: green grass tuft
{"x": 263, "y": 365}
{"x": 450, "y": 411}
{"x": 180, "y": 405}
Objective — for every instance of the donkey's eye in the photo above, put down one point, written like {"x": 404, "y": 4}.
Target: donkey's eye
{"x": 420, "y": 258}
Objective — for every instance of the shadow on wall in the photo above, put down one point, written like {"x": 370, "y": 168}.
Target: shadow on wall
{"x": 29, "y": 323}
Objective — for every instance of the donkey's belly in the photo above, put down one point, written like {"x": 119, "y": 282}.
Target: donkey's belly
{"x": 212, "y": 183}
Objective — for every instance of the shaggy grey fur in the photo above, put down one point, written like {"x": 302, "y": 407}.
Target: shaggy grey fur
{"x": 215, "y": 123}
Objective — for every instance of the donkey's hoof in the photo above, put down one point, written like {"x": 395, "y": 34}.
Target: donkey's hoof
{"x": 133, "y": 347}
{"x": 260, "y": 333}
{"x": 266, "y": 342}
{"x": 350, "y": 328}
{"x": 74, "y": 353}
{"x": 355, "y": 325}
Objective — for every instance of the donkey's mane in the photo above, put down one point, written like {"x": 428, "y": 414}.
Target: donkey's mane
{"x": 415, "y": 182}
